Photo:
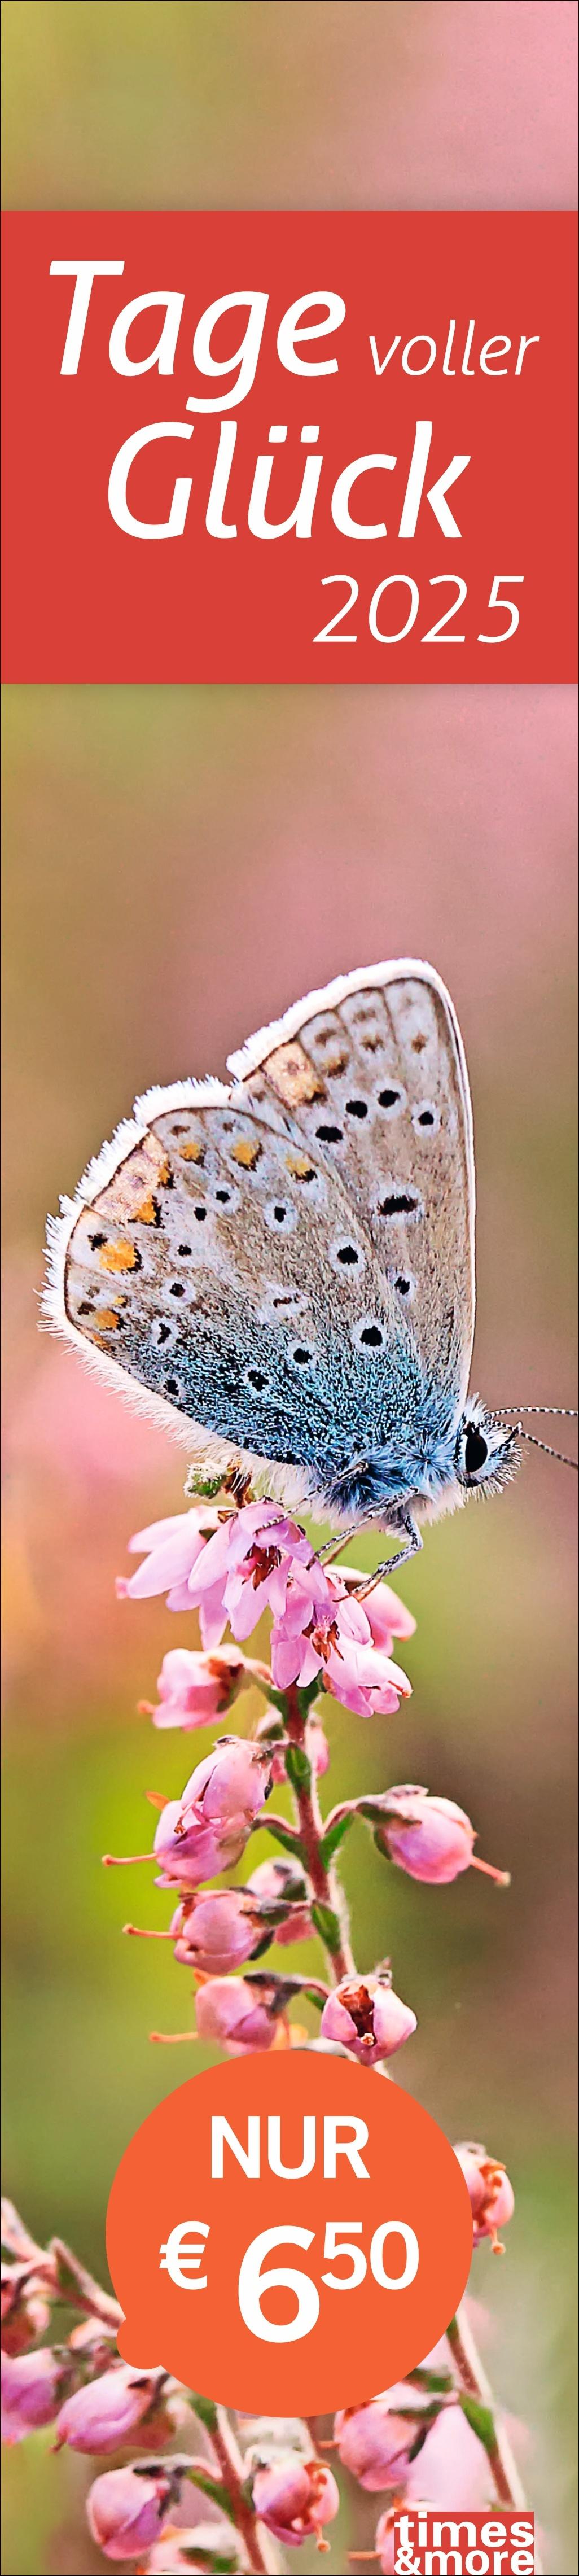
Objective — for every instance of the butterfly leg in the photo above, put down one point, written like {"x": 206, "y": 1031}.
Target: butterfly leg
{"x": 334, "y": 1547}
{"x": 412, "y": 1548}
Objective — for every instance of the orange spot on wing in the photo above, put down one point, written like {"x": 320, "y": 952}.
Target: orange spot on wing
{"x": 301, "y": 1167}
{"x": 247, "y": 1153}
{"x": 146, "y": 1214}
{"x": 118, "y": 1256}
{"x": 108, "y": 1317}
{"x": 192, "y": 1152}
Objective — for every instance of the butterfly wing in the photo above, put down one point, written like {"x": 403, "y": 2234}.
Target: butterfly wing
{"x": 286, "y": 1268}
{"x": 372, "y": 1073}
{"x": 218, "y": 1263}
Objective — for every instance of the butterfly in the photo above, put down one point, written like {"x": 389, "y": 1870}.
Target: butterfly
{"x": 283, "y": 1266}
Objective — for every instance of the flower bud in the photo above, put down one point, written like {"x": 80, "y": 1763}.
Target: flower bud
{"x": 194, "y": 1688}
{"x": 377, "y": 2442}
{"x": 490, "y": 2193}
{"x": 294, "y": 2498}
{"x": 387, "y": 1616}
{"x": 238, "y": 2015}
{"x": 126, "y": 2508}
{"x": 24, "y": 2308}
{"x": 33, "y": 2385}
{"x": 429, "y": 1837}
{"x": 207, "y": 1828}
{"x": 233, "y": 1780}
{"x": 189, "y": 1851}
{"x": 217, "y": 1931}
{"x": 367, "y": 2017}
{"x": 123, "y": 2406}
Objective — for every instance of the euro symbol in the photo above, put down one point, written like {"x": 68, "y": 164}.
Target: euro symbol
{"x": 179, "y": 2260}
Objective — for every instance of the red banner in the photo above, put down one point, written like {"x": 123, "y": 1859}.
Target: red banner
{"x": 289, "y": 447}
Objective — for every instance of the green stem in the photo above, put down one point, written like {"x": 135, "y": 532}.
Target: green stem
{"x": 231, "y": 2466}
{"x": 326, "y": 1888}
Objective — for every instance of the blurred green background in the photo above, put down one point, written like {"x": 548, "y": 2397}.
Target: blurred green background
{"x": 178, "y": 865}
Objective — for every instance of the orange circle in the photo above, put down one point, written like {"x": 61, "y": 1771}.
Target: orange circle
{"x": 352, "y": 2341}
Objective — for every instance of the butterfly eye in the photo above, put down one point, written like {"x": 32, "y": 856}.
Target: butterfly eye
{"x": 475, "y": 1451}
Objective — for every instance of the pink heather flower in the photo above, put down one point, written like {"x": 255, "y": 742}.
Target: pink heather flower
{"x": 490, "y": 2193}
{"x": 385, "y": 2543}
{"x": 368, "y": 2018}
{"x": 294, "y": 2498}
{"x": 207, "y": 1828}
{"x": 280, "y": 1883}
{"x": 190, "y": 1851}
{"x": 378, "y": 2441}
{"x": 246, "y": 1568}
{"x": 33, "y": 2384}
{"x": 23, "y": 2307}
{"x": 430, "y": 1837}
{"x": 232, "y": 1781}
{"x": 126, "y": 2508}
{"x": 239, "y": 2016}
{"x": 123, "y": 2406}
{"x": 194, "y": 1688}
{"x": 452, "y": 2469}
{"x": 332, "y": 1636}
{"x": 387, "y": 1616}
{"x": 217, "y": 1932}
{"x": 170, "y": 1549}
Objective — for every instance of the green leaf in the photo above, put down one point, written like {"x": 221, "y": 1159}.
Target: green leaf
{"x": 212, "y": 2560}
{"x": 326, "y": 1923}
{"x": 211, "y": 2487}
{"x": 298, "y": 1769}
{"x": 204, "y": 2407}
{"x": 334, "y": 1836}
{"x": 481, "y": 2421}
{"x": 307, "y": 1696}
{"x": 285, "y": 1835}
{"x": 433, "y": 2381}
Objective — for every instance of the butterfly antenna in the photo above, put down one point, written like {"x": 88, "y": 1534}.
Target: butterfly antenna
{"x": 544, "y": 1444}
{"x": 567, "y": 1412}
